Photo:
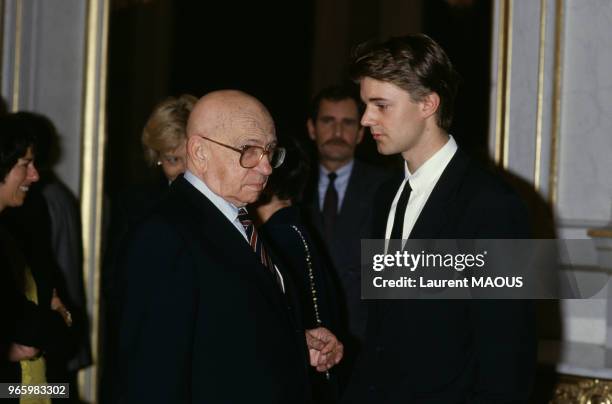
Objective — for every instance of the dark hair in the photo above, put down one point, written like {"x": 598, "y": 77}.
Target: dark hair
{"x": 47, "y": 143}
{"x": 338, "y": 92}
{"x": 416, "y": 64}
{"x": 15, "y": 139}
{"x": 288, "y": 181}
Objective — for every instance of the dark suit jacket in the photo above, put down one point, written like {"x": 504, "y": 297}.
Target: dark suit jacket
{"x": 353, "y": 224}
{"x": 203, "y": 320}
{"x": 25, "y": 242}
{"x": 127, "y": 209}
{"x": 289, "y": 247}
{"x": 453, "y": 351}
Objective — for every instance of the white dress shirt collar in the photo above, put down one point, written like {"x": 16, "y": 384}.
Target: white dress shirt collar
{"x": 229, "y": 210}
{"x": 428, "y": 174}
{"x": 422, "y": 182}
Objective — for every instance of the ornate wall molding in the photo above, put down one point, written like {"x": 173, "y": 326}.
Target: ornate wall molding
{"x": 573, "y": 390}
{"x": 504, "y": 67}
{"x": 92, "y": 163}
{"x": 525, "y": 95}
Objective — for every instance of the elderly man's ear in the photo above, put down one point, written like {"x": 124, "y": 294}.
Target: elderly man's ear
{"x": 196, "y": 150}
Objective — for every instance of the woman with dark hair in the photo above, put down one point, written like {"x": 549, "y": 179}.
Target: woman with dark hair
{"x": 283, "y": 231}
{"x": 34, "y": 320}
{"x": 61, "y": 210}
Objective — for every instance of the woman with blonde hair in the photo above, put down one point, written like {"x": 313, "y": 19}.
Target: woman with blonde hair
{"x": 164, "y": 135}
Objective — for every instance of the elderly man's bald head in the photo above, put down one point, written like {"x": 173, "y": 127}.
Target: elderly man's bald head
{"x": 220, "y": 126}
{"x": 221, "y": 114}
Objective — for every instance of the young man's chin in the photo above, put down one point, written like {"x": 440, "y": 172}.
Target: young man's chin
{"x": 386, "y": 151}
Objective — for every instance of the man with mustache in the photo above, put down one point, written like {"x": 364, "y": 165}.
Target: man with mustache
{"x": 338, "y": 202}
{"x": 208, "y": 315}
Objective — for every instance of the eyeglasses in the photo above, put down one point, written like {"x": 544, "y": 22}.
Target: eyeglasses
{"x": 251, "y": 155}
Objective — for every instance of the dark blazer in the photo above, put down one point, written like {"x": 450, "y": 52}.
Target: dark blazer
{"x": 289, "y": 247}
{"x": 353, "y": 224}
{"x": 453, "y": 351}
{"x": 285, "y": 242}
{"x": 127, "y": 209}
{"x": 25, "y": 242}
{"x": 203, "y": 321}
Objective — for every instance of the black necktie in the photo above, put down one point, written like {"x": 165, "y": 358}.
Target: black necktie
{"x": 255, "y": 242}
{"x": 330, "y": 207}
{"x": 400, "y": 212}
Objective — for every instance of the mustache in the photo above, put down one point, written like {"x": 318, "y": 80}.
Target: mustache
{"x": 336, "y": 142}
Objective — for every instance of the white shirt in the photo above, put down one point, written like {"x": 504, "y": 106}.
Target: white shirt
{"x": 229, "y": 211}
{"x": 422, "y": 183}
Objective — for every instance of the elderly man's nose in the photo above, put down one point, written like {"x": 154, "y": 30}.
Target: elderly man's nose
{"x": 264, "y": 165}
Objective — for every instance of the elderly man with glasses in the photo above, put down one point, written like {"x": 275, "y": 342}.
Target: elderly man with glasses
{"x": 209, "y": 317}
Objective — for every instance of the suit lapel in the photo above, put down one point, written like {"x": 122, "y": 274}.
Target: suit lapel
{"x": 211, "y": 225}
{"x": 433, "y": 216}
{"x": 435, "y": 212}
{"x": 382, "y": 205}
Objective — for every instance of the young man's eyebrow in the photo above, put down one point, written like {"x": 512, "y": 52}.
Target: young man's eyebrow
{"x": 374, "y": 99}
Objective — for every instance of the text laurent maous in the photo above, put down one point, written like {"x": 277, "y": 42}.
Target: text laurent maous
{"x": 476, "y": 282}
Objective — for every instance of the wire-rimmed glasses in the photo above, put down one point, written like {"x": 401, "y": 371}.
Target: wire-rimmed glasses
{"x": 251, "y": 155}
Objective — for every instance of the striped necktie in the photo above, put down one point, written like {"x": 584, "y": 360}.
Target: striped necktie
{"x": 256, "y": 244}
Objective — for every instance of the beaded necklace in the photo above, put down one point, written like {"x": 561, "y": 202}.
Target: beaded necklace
{"x": 313, "y": 290}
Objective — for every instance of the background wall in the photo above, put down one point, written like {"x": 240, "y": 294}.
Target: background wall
{"x": 585, "y": 186}
{"x": 550, "y": 93}
{"x": 42, "y": 70}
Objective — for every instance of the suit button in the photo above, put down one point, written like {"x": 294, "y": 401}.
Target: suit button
{"x": 372, "y": 389}
{"x": 379, "y": 349}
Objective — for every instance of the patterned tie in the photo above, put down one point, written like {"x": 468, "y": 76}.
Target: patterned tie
{"x": 330, "y": 207}
{"x": 256, "y": 244}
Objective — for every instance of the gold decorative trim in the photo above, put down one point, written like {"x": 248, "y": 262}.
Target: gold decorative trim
{"x": 100, "y": 183}
{"x": 504, "y": 64}
{"x": 540, "y": 97}
{"x": 94, "y": 138}
{"x": 556, "y": 107}
{"x": 2, "y": 12}
{"x": 577, "y": 390}
{"x": 600, "y": 233}
{"x": 506, "y": 159}
{"x": 17, "y": 56}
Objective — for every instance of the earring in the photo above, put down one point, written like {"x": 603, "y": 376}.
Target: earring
{"x": 159, "y": 163}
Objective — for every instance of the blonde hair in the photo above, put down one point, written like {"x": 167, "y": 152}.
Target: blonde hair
{"x": 166, "y": 128}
